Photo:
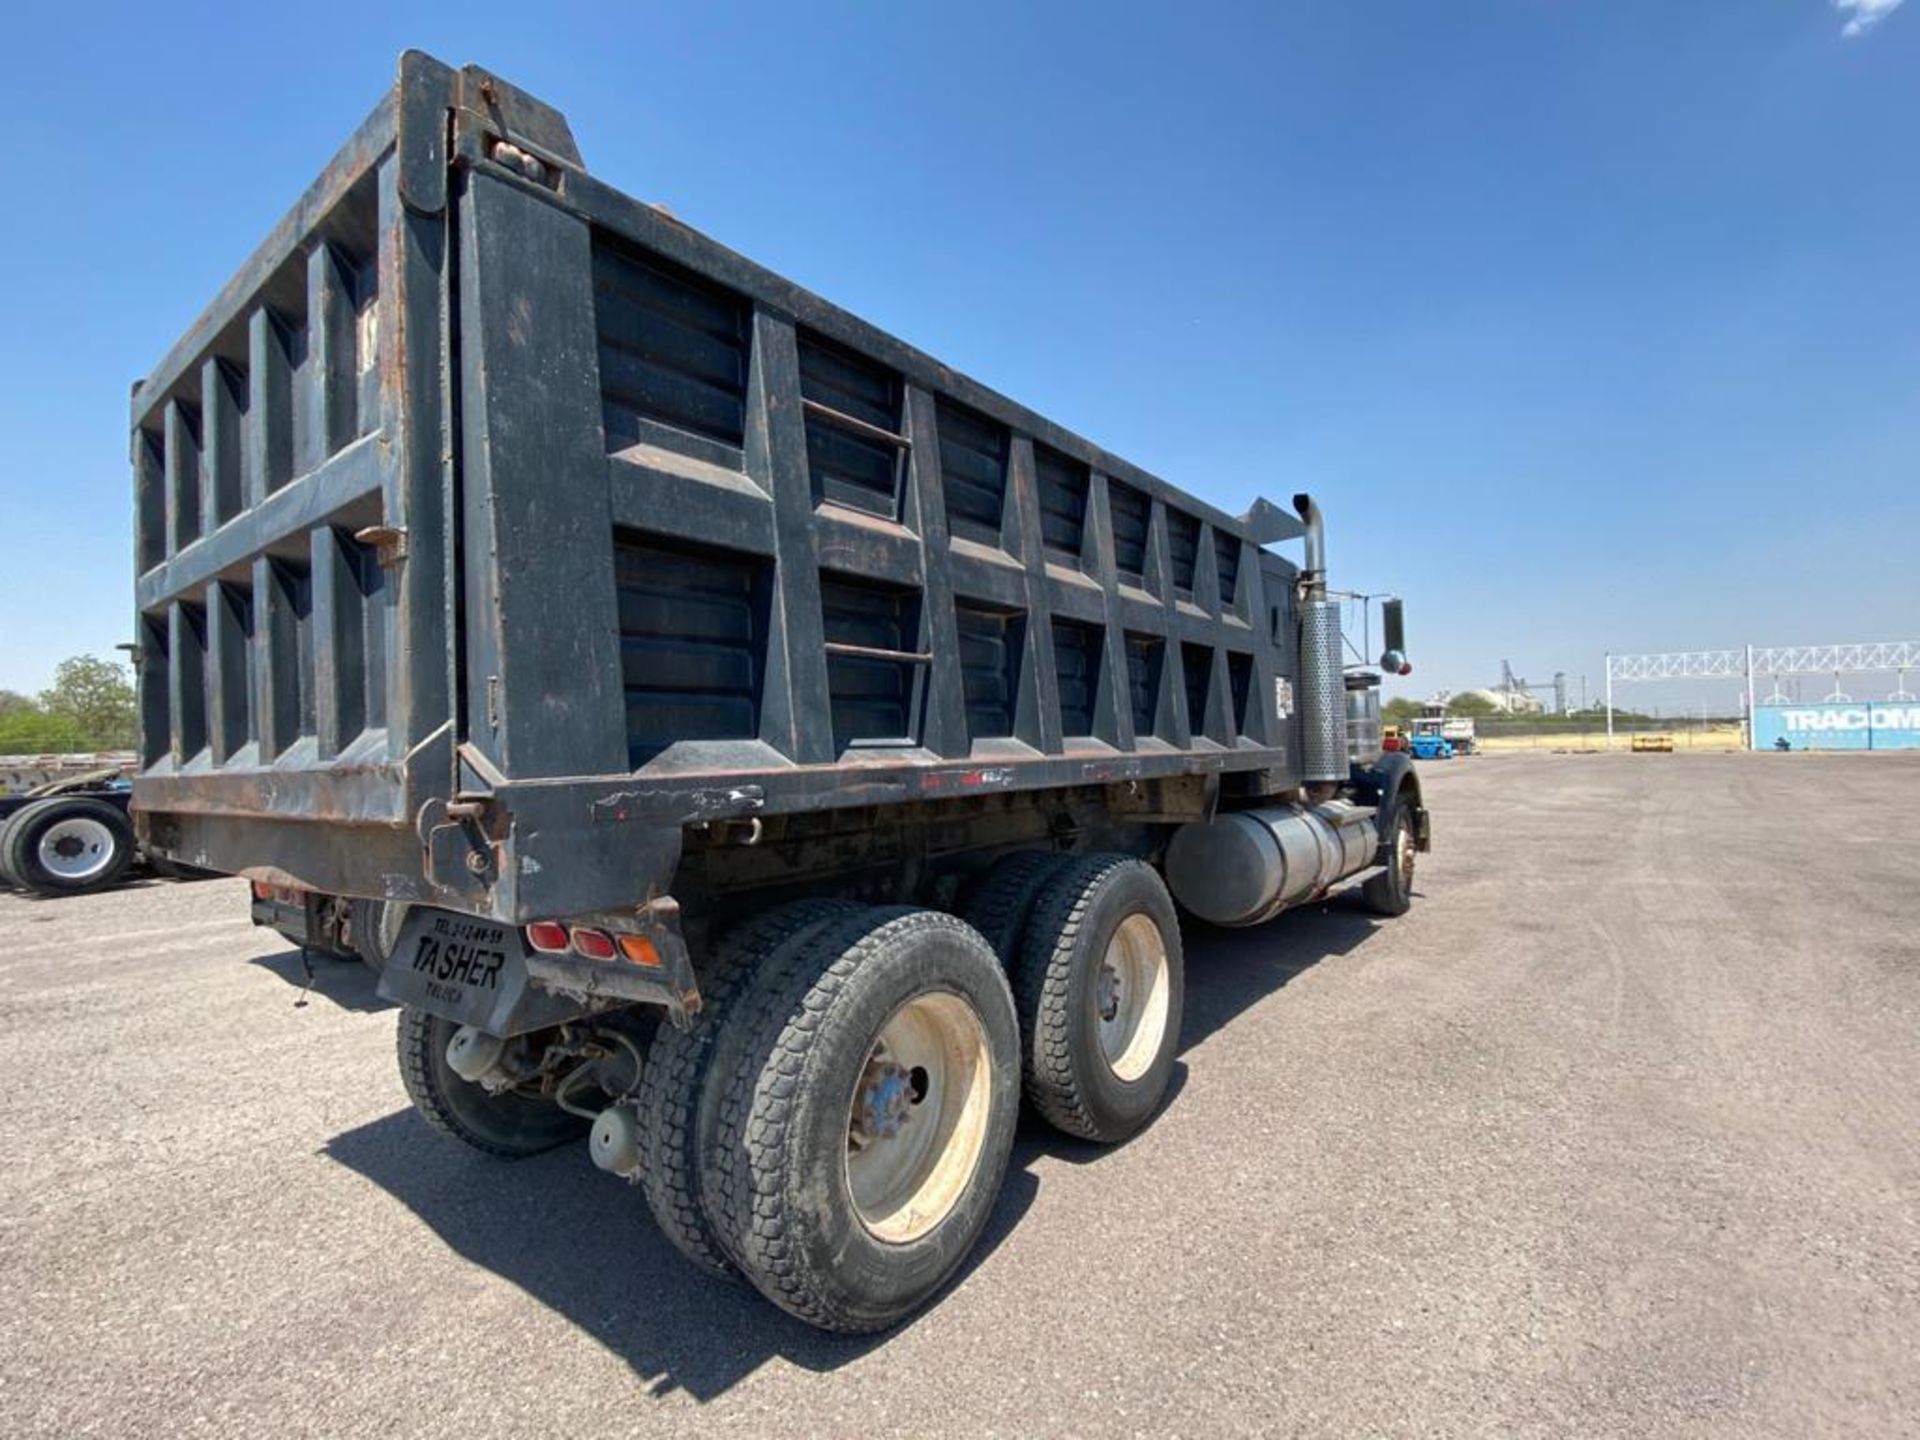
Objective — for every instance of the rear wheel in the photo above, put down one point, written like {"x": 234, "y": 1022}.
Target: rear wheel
{"x": 7, "y": 877}
{"x": 1100, "y": 985}
{"x": 679, "y": 1100}
{"x": 375, "y": 929}
{"x": 68, "y": 845}
{"x": 999, "y": 908}
{"x": 868, "y": 1122}
{"x": 1391, "y": 891}
{"x": 507, "y": 1125}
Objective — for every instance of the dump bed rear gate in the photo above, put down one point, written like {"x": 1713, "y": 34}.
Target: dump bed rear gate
{"x": 493, "y": 526}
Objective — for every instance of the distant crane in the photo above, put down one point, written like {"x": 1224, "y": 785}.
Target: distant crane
{"x": 1513, "y": 687}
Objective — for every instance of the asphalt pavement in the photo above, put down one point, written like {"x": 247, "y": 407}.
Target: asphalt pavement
{"x": 1617, "y": 1133}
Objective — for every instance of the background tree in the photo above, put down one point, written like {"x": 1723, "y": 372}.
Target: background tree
{"x": 93, "y": 700}
{"x": 26, "y": 729}
{"x": 1472, "y": 707}
{"x": 1400, "y": 711}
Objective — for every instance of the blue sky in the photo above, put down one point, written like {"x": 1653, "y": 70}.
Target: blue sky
{"x": 1594, "y": 325}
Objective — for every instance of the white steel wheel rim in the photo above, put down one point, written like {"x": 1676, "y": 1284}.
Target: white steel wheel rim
{"x": 1130, "y": 996}
{"x": 1403, "y": 845}
{"x": 917, "y": 1125}
{"x": 76, "y": 848}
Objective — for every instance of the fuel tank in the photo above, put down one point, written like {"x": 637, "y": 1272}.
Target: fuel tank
{"x": 1249, "y": 865}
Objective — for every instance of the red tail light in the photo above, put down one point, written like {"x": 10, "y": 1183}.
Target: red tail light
{"x": 548, "y": 937}
{"x": 593, "y": 944}
{"x": 262, "y": 890}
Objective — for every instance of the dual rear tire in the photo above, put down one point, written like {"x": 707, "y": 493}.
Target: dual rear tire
{"x": 834, "y": 1124}
{"x": 1101, "y": 981}
{"x": 866, "y": 1125}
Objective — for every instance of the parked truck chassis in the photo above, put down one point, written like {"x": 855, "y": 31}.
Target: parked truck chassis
{"x": 749, "y": 744}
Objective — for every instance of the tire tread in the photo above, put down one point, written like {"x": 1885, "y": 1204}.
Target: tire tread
{"x": 1000, "y": 908}
{"x": 1043, "y": 981}
{"x": 788, "y": 1016}
{"x": 414, "y": 1042}
{"x": 678, "y": 1064}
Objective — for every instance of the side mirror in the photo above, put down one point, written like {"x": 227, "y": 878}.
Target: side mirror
{"x": 1393, "y": 625}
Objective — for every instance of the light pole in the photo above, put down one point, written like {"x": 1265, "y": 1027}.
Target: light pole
{"x": 1609, "y": 700}
{"x": 1752, "y": 743}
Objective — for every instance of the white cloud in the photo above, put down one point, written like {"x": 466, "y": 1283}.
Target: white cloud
{"x": 1863, "y": 15}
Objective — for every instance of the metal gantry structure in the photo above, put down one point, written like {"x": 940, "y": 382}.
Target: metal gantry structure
{"x": 1892, "y": 656}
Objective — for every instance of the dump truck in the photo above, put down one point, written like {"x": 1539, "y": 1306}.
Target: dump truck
{"x": 773, "y": 755}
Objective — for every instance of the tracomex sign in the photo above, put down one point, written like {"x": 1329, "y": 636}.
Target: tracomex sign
{"x": 1874, "y": 725}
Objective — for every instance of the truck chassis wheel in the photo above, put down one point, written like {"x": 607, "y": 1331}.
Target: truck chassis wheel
{"x": 687, "y": 1070}
{"x": 999, "y": 908}
{"x": 67, "y": 845}
{"x": 868, "y": 1122}
{"x": 7, "y": 877}
{"x": 376, "y": 926}
{"x": 509, "y": 1126}
{"x": 1391, "y": 891}
{"x": 1100, "y": 985}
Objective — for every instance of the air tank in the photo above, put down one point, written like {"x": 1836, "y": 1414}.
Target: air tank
{"x": 1249, "y": 865}
{"x": 1363, "y": 719}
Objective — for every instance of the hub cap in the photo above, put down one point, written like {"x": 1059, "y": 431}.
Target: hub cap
{"x": 76, "y": 849}
{"x": 1403, "y": 848}
{"x": 1130, "y": 997}
{"x": 918, "y": 1121}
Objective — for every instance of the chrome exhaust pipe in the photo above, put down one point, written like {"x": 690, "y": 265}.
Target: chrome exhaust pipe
{"x": 1323, "y": 691}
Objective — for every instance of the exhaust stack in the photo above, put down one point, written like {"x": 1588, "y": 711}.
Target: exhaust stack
{"x": 1323, "y": 695}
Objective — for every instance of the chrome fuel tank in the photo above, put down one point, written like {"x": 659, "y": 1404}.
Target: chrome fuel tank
{"x": 1248, "y": 866}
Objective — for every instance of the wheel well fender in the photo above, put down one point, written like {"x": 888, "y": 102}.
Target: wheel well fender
{"x": 1388, "y": 784}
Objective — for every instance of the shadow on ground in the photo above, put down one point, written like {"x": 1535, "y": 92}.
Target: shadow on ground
{"x": 139, "y": 879}
{"x": 1229, "y": 971}
{"x": 584, "y": 1245}
{"x": 54, "y": 897}
{"x": 333, "y": 979}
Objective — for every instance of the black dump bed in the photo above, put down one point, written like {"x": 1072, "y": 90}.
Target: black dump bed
{"x": 493, "y": 527}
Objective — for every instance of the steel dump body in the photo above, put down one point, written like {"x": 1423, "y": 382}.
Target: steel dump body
{"x": 494, "y": 528}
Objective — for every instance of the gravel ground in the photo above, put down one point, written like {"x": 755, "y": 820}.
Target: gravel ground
{"x": 1617, "y": 1133}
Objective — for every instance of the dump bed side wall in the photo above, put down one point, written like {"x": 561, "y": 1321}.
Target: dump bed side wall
{"x": 745, "y": 554}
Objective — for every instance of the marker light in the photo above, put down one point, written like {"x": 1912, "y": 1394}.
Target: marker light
{"x": 640, "y": 950}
